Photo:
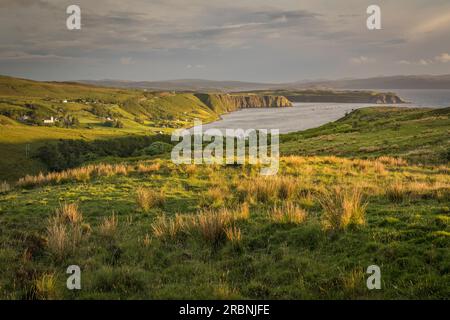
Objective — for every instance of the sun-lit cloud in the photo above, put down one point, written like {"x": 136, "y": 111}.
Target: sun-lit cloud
{"x": 362, "y": 60}
{"x": 444, "y": 58}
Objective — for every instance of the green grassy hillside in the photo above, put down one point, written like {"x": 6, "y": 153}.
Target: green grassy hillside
{"x": 418, "y": 135}
{"x": 150, "y": 229}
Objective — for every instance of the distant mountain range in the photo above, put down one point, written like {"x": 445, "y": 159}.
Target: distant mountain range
{"x": 380, "y": 83}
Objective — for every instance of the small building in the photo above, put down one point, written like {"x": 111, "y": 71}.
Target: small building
{"x": 64, "y": 101}
{"x": 49, "y": 121}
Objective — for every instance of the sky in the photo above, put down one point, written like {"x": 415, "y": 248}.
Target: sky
{"x": 248, "y": 40}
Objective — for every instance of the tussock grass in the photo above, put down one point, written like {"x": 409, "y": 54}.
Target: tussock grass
{"x": 397, "y": 192}
{"x": 147, "y": 168}
{"x": 392, "y": 161}
{"x": 70, "y": 213}
{"x": 268, "y": 189}
{"x": 45, "y": 287}
{"x": 108, "y": 227}
{"x": 148, "y": 198}
{"x": 170, "y": 229}
{"x": 65, "y": 230}
{"x": 81, "y": 174}
{"x": 234, "y": 235}
{"x": 342, "y": 208}
{"x": 213, "y": 197}
{"x": 5, "y": 187}
{"x": 288, "y": 213}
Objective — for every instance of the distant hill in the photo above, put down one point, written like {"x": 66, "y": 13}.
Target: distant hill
{"x": 394, "y": 82}
{"x": 383, "y": 83}
{"x": 183, "y": 85}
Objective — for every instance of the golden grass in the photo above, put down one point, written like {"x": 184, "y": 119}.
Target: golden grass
{"x": 70, "y": 212}
{"x": 147, "y": 168}
{"x": 170, "y": 229}
{"x": 108, "y": 227}
{"x": 5, "y": 187}
{"x": 148, "y": 198}
{"x": 213, "y": 198}
{"x": 65, "y": 230}
{"x": 398, "y": 162}
{"x": 342, "y": 208}
{"x": 397, "y": 192}
{"x": 267, "y": 189}
{"x": 77, "y": 174}
{"x": 45, "y": 287}
{"x": 288, "y": 213}
{"x": 57, "y": 238}
{"x": 233, "y": 235}
{"x": 211, "y": 225}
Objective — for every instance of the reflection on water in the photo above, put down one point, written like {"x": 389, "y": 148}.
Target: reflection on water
{"x": 300, "y": 117}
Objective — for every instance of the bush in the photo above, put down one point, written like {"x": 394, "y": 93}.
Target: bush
{"x": 156, "y": 148}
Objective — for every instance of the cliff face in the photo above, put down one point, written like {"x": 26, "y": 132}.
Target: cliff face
{"x": 344, "y": 97}
{"x": 226, "y": 102}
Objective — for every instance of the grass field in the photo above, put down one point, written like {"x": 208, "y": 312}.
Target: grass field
{"x": 156, "y": 230}
{"x": 372, "y": 188}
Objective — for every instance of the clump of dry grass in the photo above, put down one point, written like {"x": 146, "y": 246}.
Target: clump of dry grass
{"x": 77, "y": 174}
{"x": 288, "y": 213}
{"x": 108, "y": 227}
{"x": 191, "y": 169}
{"x": 397, "y": 192}
{"x": 45, "y": 287}
{"x": 342, "y": 208}
{"x": 65, "y": 230}
{"x": 148, "y": 198}
{"x": 70, "y": 212}
{"x": 211, "y": 225}
{"x": 57, "y": 238}
{"x": 147, "y": 168}
{"x": 5, "y": 187}
{"x": 267, "y": 189}
{"x": 234, "y": 235}
{"x": 170, "y": 229}
{"x": 213, "y": 198}
{"x": 391, "y": 161}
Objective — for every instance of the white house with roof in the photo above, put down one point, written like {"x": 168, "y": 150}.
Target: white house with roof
{"x": 49, "y": 121}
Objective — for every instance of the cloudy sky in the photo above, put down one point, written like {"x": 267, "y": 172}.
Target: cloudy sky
{"x": 250, "y": 40}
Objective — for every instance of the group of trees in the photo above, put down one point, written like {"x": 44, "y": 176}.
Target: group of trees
{"x": 71, "y": 153}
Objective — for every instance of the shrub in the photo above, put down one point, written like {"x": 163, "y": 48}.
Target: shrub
{"x": 342, "y": 208}
{"x": 156, "y": 148}
{"x": 288, "y": 213}
{"x": 148, "y": 199}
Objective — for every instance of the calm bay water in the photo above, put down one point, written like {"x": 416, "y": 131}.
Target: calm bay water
{"x": 310, "y": 115}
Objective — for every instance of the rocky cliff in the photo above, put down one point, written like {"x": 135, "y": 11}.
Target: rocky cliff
{"x": 344, "y": 96}
{"x": 227, "y": 102}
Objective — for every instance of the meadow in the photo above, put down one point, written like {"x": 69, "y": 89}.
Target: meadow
{"x": 372, "y": 188}
{"x": 149, "y": 230}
